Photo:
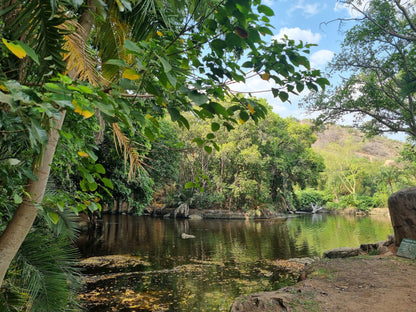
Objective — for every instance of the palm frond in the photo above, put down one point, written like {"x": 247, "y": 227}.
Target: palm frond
{"x": 34, "y": 23}
{"x": 43, "y": 275}
{"x": 109, "y": 39}
{"x": 79, "y": 59}
{"x": 130, "y": 153}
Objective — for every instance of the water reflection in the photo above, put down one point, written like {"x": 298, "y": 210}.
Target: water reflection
{"x": 224, "y": 260}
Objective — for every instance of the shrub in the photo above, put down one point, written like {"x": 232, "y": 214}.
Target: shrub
{"x": 309, "y": 197}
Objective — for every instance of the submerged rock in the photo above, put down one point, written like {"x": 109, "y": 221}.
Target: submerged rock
{"x": 112, "y": 264}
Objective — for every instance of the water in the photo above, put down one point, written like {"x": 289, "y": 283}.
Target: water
{"x": 224, "y": 260}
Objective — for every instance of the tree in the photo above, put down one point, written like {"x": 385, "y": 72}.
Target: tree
{"x": 378, "y": 53}
{"x": 118, "y": 62}
{"x": 256, "y": 164}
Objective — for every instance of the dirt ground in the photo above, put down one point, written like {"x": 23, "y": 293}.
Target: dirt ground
{"x": 370, "y": 283}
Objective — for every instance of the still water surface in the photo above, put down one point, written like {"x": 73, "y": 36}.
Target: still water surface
{"x": 226, "y": 258}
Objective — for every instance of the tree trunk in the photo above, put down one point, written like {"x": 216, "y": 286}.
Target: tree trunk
{"x": 21, "y": 223}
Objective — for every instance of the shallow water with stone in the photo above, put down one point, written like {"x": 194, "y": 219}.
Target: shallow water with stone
{"x": 157, "y": 270}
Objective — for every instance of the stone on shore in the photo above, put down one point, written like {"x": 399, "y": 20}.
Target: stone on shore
{"x": 402, "y": 207}
{"x": 343, "y": 252}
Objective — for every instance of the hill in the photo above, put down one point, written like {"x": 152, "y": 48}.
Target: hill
{"x": 342, "y": 139}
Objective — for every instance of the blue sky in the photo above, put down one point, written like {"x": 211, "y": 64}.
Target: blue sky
{"x": 309, "y": 21}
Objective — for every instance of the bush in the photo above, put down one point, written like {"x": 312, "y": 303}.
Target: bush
{"x": 366, "y": 203}
{"x": 333, "y": 206}
{"x": 309, "y": 197}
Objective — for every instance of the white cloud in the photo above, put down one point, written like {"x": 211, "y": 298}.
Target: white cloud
{"x": 352, "y": 11}
{"x": 321, "y": 58}
{"x": 297, "y": 34}
{"x": 309, "y": 9}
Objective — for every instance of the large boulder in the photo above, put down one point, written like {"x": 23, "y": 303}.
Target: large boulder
{"x": 402, "y": 207}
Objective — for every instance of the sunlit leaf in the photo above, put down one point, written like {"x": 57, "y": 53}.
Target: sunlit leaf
{"x": 130, "y": 74}
{"x": 16, "y": 49}
{"x": 83, "y": 154}
{"x": 54, "y": 217}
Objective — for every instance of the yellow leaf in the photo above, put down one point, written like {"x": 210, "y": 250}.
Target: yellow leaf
{"x": 251, "y": 109}
{"x": 83, "y": 154}
{"x": 159, "y": 33}
{"x": 120, "y": 5}
{"x": 164, "y": 104}
{"x": 15, "y": 49}
{"x": 242, "y": 121}
{"x": 3, "y": 88}
{"x": 130, "y": 74}
{"x": 86, "y": 113}
{"x": 265, "y": 76}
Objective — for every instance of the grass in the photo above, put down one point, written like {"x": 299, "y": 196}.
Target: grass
{"x": 305, "y": 302}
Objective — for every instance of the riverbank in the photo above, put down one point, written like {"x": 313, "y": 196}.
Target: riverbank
{"x": 381, "y": 283}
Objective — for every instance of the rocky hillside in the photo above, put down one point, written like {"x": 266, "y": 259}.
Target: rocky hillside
{"x": 339, "y": 139}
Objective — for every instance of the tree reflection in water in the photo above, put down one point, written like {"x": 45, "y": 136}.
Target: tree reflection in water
{"x": 227, "y": 257}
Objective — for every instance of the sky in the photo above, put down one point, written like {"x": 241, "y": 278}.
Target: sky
{"x": 309, "y": 21}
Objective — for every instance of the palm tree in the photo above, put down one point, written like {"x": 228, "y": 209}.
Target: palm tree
{"x": 59, "y": 35}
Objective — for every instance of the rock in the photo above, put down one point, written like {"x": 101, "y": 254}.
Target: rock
{"x": 382, "y": 250}
{"x": 195, "y": 217}
{"x": 402, "y": 207}
{"x": 264, "y": 302}
{"x": 186, "y": 236}
{"x": 287, "y": 272}
{"x": 112, "y": 264}
{"x": 343, "y": 252}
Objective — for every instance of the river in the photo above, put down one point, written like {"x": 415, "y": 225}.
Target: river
{"x": 226, "y": 258}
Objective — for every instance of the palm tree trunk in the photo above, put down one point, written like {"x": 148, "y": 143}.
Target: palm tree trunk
{"x": 21, "y": 223}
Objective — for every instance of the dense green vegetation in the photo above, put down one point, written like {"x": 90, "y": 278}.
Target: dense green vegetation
{"x": 89, "y": 73}
{"x": 136, "y": 94}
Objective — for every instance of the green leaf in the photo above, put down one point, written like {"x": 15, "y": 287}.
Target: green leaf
{"x": 166, "y": 66}
{"x": 197, "y": 97}
{"x": 322, "y": 82}
{"x": 283, "y": 96}
{"x": 92, "y": 186}
{"x": 174, "y": 113}
{"x": 210, "y": 136}
{"x": 17, "y": 198}
{"x": 120, "y": 63}
{"x": 131, "y": 46}
{"x": 198, "y": 141}
{"x": 208, "y": 149}
{"x": 244, "y": 116}
{"x": 108, "y": 183}
{"x": 30, "y": 52}
{"x": 29, "y": 174}
{"x": 54, "y": 217}
{"x": 215, "y": 126}
{"x": 149, "y": 134}
{"x": 83, "y": 184}
{"x": 265, "y": 9}
{"x": 37, "y": 133}
{"x": 189, "y": 185}
{"x": 99, "y": 168}
{"x": 300, "y": 86}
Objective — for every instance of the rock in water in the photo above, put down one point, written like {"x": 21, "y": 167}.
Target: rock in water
{"x": 186, "y": 236}
{"x": 402, "y": 207}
